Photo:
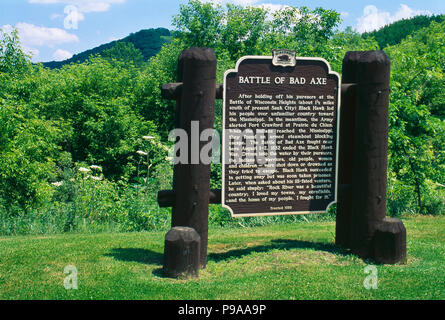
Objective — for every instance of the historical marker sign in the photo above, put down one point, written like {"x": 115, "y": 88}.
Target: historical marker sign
{"x": 280, "y": 135}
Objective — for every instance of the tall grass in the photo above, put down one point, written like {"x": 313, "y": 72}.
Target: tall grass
{"x": 87, "y": 202}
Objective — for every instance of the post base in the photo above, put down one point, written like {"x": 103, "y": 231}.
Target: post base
{"x": 389, "y": 242}
{"x": 182, "y": 252}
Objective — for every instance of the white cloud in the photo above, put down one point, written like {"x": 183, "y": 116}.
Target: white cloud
{"x": 60, "y": 55}
{"x": 55, "y": 16}
{"x": 405, "y": 12}
{"x": 31, "y": 35}
{"x": 373, "y": 18}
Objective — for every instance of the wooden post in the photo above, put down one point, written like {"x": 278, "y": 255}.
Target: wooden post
{"x": 370, "y": 148}
{"x": 346, "y": 149}
{"x": 361, "y": 209}
{"x": 389, "y": 242}
{"x": 167, "y": 198}
{"x": 197, "y": 72}
{"x": 182, "y": 246}
{"x": 369, "y": 168}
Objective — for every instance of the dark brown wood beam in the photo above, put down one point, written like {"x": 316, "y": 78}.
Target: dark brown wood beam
{"x": 172, "y": 91}
{"x": 167, "y": 198}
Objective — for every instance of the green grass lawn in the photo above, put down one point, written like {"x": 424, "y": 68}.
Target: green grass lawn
{"x": 292, "y": 261}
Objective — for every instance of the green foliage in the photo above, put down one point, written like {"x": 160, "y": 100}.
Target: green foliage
{"x": 417, "y": 131}
{"x": 12, "y": 58}
{"x": 53, "y": 120}
{"x": 148, "y": 101}
{"x": 235, "y": 31}
{"x": 124, "y": 52}
{"x": 28, "y": 142}
{"x": 94, "y": 101}
{"x": 394, "y": 33}
{"x": 28, "y": 150}
{"x": 343, "y": 41}
{"x": 199, "y": 23}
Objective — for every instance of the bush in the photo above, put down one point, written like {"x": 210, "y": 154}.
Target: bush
{"x": 400, "y": 198}
{"x": 434, "y": 198}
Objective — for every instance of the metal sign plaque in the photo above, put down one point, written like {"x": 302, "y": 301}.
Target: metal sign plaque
{"x": 284, "y": 58}
{"x": 280, "y": 135}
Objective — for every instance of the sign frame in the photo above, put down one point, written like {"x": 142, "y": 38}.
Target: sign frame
{"x": 223, "y": 174}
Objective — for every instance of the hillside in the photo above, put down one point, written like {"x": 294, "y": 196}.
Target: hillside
{"x": 394, "y": 33}
{"x": 148, "y": 41}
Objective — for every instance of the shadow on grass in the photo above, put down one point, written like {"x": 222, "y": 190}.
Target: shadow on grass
{"x": 140, "y": 255}
{"x": 155, "y": 258}
{"x": 284, "y": 244}
{"x": 136, "y": 255}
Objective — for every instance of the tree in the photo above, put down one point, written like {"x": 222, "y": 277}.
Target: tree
{"x": 82, "y": 112}
{"x": 235, "y": 31}
{"x": 28, "y": 142}
{"x": 417, "y": 131}
{"x": 12, "y": 58}
{"x": 124, "y": 52}
{"x": 394, "y": 33}
{"x": 199, "y": 24}
{"x": 147, "y": 100}
{"x": 343, "y": 41}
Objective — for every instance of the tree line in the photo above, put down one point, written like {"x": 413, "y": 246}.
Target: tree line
{"x": 395, "y": 32}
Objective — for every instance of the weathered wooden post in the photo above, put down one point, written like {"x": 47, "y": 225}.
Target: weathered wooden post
{"x": 370, "y": 70}
{"x": 346, "y": 149}
{"x": 195, "y": 113}
{"x": 182, "y": 246}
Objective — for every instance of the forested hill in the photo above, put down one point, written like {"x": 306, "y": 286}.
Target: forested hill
{"x": 148, "y": 41}
{"x": 395, "y": 32}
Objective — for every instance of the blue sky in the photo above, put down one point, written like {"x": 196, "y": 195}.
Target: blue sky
{"x": 48, "y": 28}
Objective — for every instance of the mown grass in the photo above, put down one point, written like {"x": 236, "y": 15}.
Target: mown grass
{"x": 287, "y": 261}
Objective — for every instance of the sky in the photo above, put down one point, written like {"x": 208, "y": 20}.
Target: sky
{"x": 57, "y": 29}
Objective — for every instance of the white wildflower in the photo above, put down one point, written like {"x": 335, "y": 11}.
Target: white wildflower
{"x": 148, "y": 138}
{"x": 96, "y": 178}
{"x": 84, "y": 170}
{"x": 57, "y": 184}
{"x": 160, "y": 145}
{"x": 94, "y": 167}
{"x": 142, "y": 153}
